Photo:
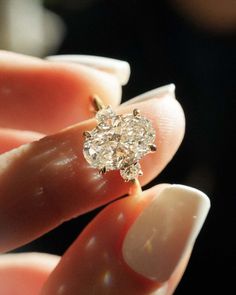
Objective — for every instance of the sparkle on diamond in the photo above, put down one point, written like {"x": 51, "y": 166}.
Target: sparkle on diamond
{"x": 119, "y": 142}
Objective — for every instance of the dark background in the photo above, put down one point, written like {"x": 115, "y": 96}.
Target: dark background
{"x": 163, "y": 46}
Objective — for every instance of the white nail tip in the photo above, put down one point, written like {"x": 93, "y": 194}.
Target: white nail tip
{"x": 161, "y": 291}
{"x": 119, "y": 68}
{"x": 159, "y": 237}
{"x": 155, "y": 93}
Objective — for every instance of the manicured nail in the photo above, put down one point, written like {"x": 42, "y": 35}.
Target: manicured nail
{"x": 167, "y": 90}
{"x": 162, "y": 290}
{"x": 159, "y": 237}
{"x": 119, "y": 68}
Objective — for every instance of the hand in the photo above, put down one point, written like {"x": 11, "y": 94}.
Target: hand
{"x": 139, "y": 244}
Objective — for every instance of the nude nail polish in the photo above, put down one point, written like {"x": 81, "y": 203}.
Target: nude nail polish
{"x": 167, "y": 90}
{"x": 119, "y": 68}
{"x": 159, "y": 237}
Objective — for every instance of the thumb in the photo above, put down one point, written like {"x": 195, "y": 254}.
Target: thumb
{"x": 136, "y": 245}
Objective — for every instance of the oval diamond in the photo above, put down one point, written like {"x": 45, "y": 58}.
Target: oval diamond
{"x": 119, "y": 142}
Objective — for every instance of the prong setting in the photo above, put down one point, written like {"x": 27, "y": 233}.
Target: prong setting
{"x": 118, "y": 142}
{"x": 102, "y": 171}
{"x": 140, "y": 173}
{"x": 87, "y": 134}
{"x": 97, "y": 102}
{"x": 136, "y": 112}
{"x": 153, "y": 147}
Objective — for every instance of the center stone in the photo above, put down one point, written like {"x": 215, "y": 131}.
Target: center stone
{"x": 119, "y": 142}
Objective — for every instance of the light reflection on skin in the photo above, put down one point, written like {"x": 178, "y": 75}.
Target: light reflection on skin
{"x": 107, "y": 279}
{"x": 61, "y": 290}
{"x": 97, "y": 180}
{"x": 38, "y": 194}
{"x": 40, "y": 157}
{"x": 94, "y": 177}
{"x": 64, "y": 161}
{"x": 60, "y": 162}
{"x": 120, "y": 217}
{"x": 101, "y": 185}
{"x": 106, "y": 256}
{"x": 91, "y": 242}
{"x": 94, "y": 181}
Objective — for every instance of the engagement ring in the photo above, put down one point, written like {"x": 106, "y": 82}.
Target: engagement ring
{"x": 118, "y": 142}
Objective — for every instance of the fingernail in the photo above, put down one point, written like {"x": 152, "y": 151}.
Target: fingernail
{"x": 163, "y": 232}
{"x": 167, "y": 90}
{"x": 162, "y": 290}
{"x": 119, "y": 68}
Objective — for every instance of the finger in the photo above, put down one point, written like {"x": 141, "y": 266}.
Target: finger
{"x": 49, "y": 181}
{"x": 166, "y": 90}
{"x": 118, "y": 68}
{"x": 25, "y": 273}
{"x": 11, "y": 138}
{"x": 47, "y": 96}
{"x": 134, "y": 245}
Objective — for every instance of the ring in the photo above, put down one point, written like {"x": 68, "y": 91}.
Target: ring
{"x": 118, "y": 142}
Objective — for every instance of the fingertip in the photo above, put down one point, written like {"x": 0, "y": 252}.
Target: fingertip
{"x": 47, "y": 96}
{"x": 12, "y": 138}
{"x": 166, "y": 229}
{"x": 167, "y": 117}
{"x": 140, "y": 244}
{"x": 25, "y": 273}
{"x": 41, "y": 261}
{"x": 119, "y": 68}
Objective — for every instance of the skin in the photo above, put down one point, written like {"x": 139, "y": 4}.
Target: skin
{"x": 37, "y": 177}
{"x": 212, "y": 15}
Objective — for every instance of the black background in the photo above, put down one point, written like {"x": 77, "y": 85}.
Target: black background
{"x": 162, "y": 47}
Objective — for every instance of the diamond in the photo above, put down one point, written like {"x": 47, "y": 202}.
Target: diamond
{"x": 119, "y": 142}
{"x": 131, "y": 172}
{"x": 105, "y": 114}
